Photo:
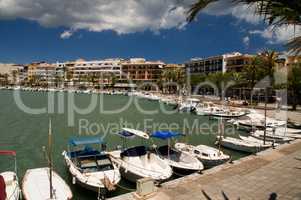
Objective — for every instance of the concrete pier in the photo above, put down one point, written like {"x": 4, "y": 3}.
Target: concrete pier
{"x": 271, "y": 174}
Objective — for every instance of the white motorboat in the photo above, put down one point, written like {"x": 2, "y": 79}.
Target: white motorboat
{"x": 241, "y": 145}
{"x": 137, "y": 162}
{"x": 180, "y": 161}
{"x": 256, "y": 120}
{"x": 208, "y": 108}
{"x": 211, "y": 109}
{"x": 209, "y": 156}
{"x": 287, "y": 132}
{"x": 152, "y": 97}
{"x": 253, "y": 139}
{"x": 270, "y": 136}
{"x": 91, "y": 168}
{"x": 169, "y": 101}
{"x": 9, "y": 184}
{"x": 188, "y": 105}
{"x": 36, "y": 184}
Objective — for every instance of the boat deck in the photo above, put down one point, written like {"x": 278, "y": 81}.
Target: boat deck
{"x": 271, "y": 172}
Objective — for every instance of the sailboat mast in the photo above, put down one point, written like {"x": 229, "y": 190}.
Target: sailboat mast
{"x": 50, "y": 159}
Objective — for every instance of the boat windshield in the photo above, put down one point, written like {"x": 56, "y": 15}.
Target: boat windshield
{"x": 135, "y": 151}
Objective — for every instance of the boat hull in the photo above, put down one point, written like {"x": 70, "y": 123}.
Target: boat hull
{"x": 212, "y": 163}
{"x": 12, "y": 187}
{"x": 38, "y": 180}
{"x": 128, "y": 175}
{"x": 242, "y": 148}
{"x": 81, "y": 181}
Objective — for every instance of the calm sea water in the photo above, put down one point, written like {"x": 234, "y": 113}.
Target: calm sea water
{"x": 27, "y": 133}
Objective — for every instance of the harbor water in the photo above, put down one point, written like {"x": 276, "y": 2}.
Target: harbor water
{"x": 27, "y": 132}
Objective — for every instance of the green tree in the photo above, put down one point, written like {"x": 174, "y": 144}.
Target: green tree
{"x": 220, "y": 81}
{"x": 274, "y": 12}
{"x": 269, "y": 63}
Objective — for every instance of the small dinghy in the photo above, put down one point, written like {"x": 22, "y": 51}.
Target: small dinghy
{"x": 9, "y": 185}
{"x": 36, "y": 184}
{"x": 209, "y": 156}
{"x": 91, "y": 168}
{"x": 137, "y": 162}
{"x": 241, "y": 145}
{"x": 181, "y": 162}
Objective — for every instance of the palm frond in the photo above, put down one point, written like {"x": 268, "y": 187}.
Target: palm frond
{"x": 295, "y": 45}
{"x": 197, "y": 7}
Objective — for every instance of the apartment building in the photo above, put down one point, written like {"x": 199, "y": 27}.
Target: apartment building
{"x": 209, "y": 65}
{"x": 138, "y": 70}
{"x": 41, "y": 72}
{"x": 84, "y": 72}
{"x": 237, "y": 63}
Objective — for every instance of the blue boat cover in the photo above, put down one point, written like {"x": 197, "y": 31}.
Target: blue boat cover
{"x": 85, "y": 141}
{"x": 126, "y": 134}
{"x": 165, "y": 134}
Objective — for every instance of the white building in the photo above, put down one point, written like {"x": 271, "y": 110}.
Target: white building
{"x": 210, "y": 64}
{"x": 81, "y": 70}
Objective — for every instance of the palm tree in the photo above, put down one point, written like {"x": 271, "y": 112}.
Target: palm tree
{"x": 220, "y": 80}
{"x": 275, "y": 12}
{"x": 294, "y": 84}
{"x": 269, "y": 58}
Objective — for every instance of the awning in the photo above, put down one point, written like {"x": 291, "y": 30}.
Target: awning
{"x": 85, "y": 141}
{"x": 7, "y": 153}
{"x": 165, "y": 134}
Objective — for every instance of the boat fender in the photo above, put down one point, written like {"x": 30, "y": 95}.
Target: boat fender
{"x": 73, "y": 180}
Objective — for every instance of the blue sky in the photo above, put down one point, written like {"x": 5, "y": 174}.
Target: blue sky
{"x": 24, "y": 40}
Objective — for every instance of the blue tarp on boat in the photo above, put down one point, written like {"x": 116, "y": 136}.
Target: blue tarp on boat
{"x": 85, "y": 141}
{"x": 126, "y": 134}
{"x": 165, "y": 134}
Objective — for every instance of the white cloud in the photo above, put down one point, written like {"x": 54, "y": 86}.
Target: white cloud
{"x": 246, "y": 41}
{"x": 122, "y": 16}
{"x": 246, "y": 13}
{"x": 66, "y": 34}
{"x": 278, "y": 35}
{"x": 238, "y": 10}
{"x": 127, "y": 16}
